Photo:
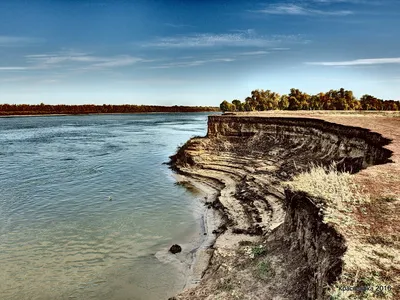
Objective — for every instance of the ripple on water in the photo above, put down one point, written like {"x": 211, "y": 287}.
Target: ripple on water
{"x": 60, "y": 235}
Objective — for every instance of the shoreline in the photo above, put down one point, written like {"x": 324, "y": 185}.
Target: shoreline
{"x": 93, "y": 114}
{"x": 199, "y": 256}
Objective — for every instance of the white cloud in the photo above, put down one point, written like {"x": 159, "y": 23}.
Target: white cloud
{"x": 74, "y": 61}
{"x": 119, "y": 61}
{"x": 177, "y": 25}
{"x": 193, "y": 63}
{"x": 357, "y": 62}
{"x": 9, "y": 79}
{"x": 294, "y": 9}
{"x": 57, "y": 58}
{"x": 85, "y": 60}
{"x": 246, "y": 38}
{"x": 280, "y": 49}
{"x": 13, "y": 68}
{"x": 347, "y": 1}
{"x": 153, "y": 80}
{"x": 15, "y": 41}
{"x": 254, "y": 53}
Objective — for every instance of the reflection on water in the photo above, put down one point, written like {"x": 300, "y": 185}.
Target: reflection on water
{"x": 85, "y": 204}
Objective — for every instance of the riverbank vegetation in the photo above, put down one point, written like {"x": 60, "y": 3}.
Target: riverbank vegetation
{"x": 261, "y": 100}
{"x": 45, "y": 109}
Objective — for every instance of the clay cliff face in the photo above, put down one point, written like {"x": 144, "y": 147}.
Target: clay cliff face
{"x": 357, "y": 147}
{"x": 246, "y": 159}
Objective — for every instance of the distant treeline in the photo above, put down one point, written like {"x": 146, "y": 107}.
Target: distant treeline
{"x": 26, "y": 109}
{"x": 296, "y": 100}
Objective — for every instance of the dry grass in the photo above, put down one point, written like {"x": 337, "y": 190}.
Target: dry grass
{"x": 337, "y": 189}
{"x": 370, "y": 261}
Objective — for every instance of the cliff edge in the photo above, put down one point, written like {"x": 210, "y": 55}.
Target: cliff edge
{"x": 275, "y": 242}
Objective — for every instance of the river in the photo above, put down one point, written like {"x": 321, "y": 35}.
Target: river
{"x": 86, "y": 204}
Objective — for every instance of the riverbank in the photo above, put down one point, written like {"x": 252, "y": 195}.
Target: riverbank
{"x": 93, "y": 114}
{"x": 196, "y": 256}
{"x": 62, "y": 109}
{"x": 248, "y": 157}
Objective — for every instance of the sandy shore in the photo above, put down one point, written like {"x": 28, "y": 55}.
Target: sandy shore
{"x": 194, "y": 259}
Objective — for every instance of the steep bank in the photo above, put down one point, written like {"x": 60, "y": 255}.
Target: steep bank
{"x": 247, "y": 158}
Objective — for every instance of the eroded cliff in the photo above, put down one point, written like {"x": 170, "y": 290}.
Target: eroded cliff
{"x": 246, "y": 159}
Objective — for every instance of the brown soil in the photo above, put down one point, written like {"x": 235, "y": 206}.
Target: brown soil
{"x": 246, "y": 165}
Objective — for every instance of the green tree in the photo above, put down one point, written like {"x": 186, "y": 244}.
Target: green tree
{"x": 270, "y": 100}
{"x": 315, "y": 102}
{"x": 283, "y": 102}
{"x": 225, "y": 105}
{"x": 295, "y": 98}
{"x": 238, "y": 105}
{"x": 251, "y": 104}
{"x": 369, "y": 102}
{"x": 294, "y": 104}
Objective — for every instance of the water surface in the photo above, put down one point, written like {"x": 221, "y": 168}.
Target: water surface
{"x": 86, "y": 204}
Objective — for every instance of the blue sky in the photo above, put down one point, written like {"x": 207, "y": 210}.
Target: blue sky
{"x": 195, "y": 52}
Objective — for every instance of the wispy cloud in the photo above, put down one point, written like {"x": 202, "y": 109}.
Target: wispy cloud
{"x": 83, "y": 60}
{"x": 173, "y": 25}
{"x": 254, "y": 53}
{"x": 357, "y": 62}
{"x": 280, "y": 49}
{"x": 295, "y": 9}
{"x": 193, "y": 63}
{"x": 372, "y": 2}
{"x": 60, "y": 57}
{"x": 12, "y": 68}
{"x": 153, "y": 80}
{"x": 240, "y": 39}
{"x": 74, "y": 61}
{"x": 118, "y": 61}
{"x": 15, "y": 41}
{"x": 10, "y": 79}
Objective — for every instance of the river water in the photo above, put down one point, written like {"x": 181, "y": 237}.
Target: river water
{"x": 88, "y": 210}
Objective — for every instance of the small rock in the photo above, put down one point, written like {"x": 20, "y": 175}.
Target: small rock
{"x": 175, "y": 249}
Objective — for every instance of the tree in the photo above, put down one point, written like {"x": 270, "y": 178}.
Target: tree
{"x": 270, "y": 100}
{"x": 294, "y": 104}
{"x": 332, "y": 100}
{"x": 295, "y": 97}
{"x": 247, "y": 106}
{"x": 316, "y": 102}
{"x": 369, "y": 102}
{"x": 238, "y": 105}
{"x": 225, "y": 106}
{"x": 251, "y": 104}
{"x": 283, "y": 102}
{"x": 390, "y": 105}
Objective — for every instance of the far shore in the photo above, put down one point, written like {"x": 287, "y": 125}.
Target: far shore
{"x": 91, "y": 114}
